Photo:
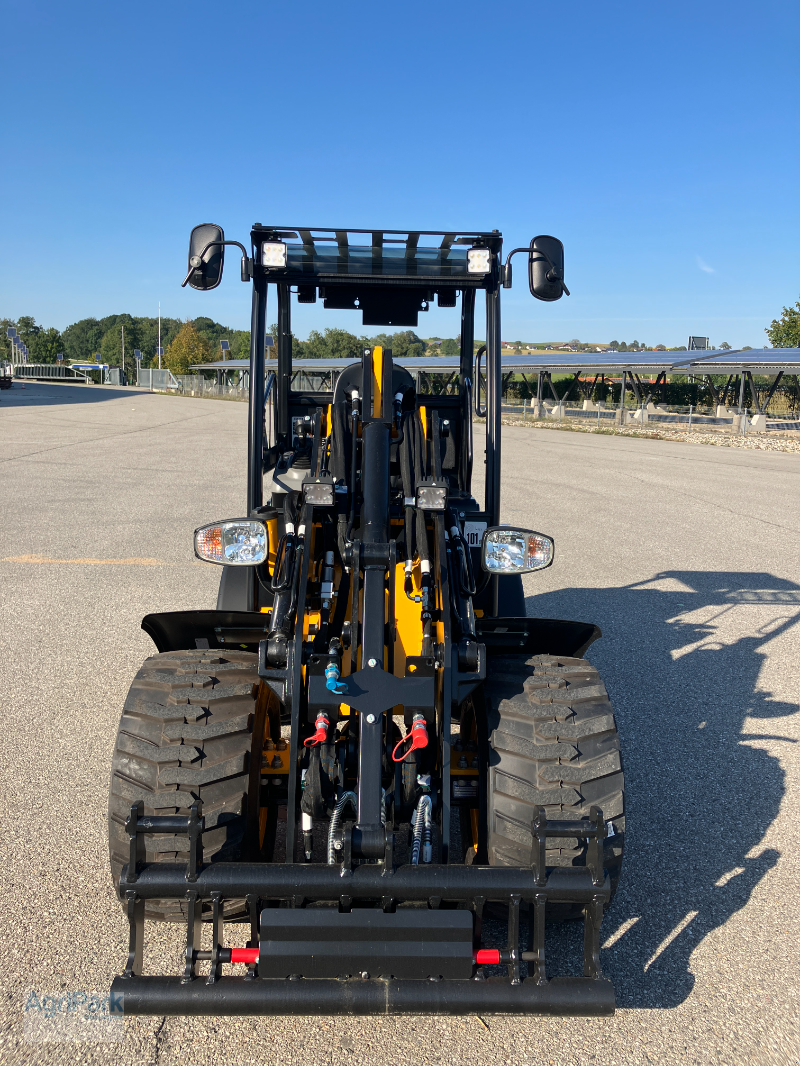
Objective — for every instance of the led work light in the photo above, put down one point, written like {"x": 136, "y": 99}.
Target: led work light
{"x": 515, "y": 551}
{"x": 273, "y": 254}
{"x": 479, "y": 261}
{"x": 239, "y": 542}
{"x": 319, "y": 491}
{"x": 431, "y": 495}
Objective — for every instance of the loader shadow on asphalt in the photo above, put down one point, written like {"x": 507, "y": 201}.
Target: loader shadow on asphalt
{"x": 44, "y": 394}
{"x": 682, "y": 668}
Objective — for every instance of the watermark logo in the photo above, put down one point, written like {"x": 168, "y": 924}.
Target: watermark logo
{"x": 72, "y": 1016}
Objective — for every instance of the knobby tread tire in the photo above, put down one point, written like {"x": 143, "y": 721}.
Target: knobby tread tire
{"x": 187, "y": 732}
{"x": 553, "y": 743}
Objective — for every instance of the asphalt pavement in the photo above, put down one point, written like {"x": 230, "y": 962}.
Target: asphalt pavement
{"x": 685, "y": 555}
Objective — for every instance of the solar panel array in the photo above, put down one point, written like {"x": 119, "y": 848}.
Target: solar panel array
{"x": 759, "y": 361}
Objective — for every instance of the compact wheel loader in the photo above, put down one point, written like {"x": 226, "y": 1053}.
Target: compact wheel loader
{"x": 367, "y": 756}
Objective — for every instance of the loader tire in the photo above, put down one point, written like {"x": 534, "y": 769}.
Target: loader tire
{"x": 553, "y": 742}
{"x": 192, "y": 728}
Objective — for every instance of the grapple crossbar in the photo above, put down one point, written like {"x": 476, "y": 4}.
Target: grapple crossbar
{"x": 419, "y": 988}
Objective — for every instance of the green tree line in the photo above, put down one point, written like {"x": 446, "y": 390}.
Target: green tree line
{"x": 200, "y": 342}
{"x": 192, "y": 342}
{"x": 83, "y": 340}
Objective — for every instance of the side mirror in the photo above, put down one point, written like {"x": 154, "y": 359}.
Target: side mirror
{"x": 205, "y": 263}
{"x": 546, "y": 269}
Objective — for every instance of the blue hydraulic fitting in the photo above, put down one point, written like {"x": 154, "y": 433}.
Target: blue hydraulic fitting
{"x": 332, "y": 682}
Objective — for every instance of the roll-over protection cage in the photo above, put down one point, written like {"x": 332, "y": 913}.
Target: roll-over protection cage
{"x": 391, "y": 276}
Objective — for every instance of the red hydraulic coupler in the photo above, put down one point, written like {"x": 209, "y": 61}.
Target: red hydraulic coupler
{"x": 245, "y": 955}
{"x": 321, "y": 725}
{"x": 487, "y": 957}
{"x": 418, "y": 736}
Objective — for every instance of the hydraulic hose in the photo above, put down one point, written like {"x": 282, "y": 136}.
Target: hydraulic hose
{"x": 284, "y": 579}
{"x": 407, "y": 476}
{"x": 336, "y": 818}
{"x": 422, "y": 832}
{"x": 353, "y": 468}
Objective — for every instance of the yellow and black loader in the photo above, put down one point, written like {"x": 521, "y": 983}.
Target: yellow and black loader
{"x": 368, "y": 748}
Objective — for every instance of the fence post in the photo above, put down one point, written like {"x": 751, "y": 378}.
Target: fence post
{"x": 690, "y": 417}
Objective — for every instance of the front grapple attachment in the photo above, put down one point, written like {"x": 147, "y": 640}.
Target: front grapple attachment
{"x": 356, "y": 951}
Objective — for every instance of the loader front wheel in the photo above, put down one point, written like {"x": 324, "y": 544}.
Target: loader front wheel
{"x": 192, "y": 728}
{"x": 553, "y": 742}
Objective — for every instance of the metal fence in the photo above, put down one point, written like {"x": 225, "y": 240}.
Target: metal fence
{"x": 689, "y": 418}
{"x": 47, "y": 372}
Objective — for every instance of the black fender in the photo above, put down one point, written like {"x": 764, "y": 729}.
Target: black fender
{"x": 536, "y": 636}
{"x": 188, "y": 630}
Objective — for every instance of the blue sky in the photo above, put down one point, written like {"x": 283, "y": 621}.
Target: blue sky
{"x": 659, "y": 141}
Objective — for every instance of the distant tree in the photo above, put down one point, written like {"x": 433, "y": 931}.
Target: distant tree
{"x": 613, "y": 344}
{"x": 333, "y": 344}
{"x": 46, "y": 345}
{"x": 746, "y": 348}
{"x": 402, "y": 341}
{"x": 450, "y": 347}
{"x": 188, "y": 349}
{"x": 634, "y": 345}
{"x": 659, "y": 348}
{"x": 399, "y": 343}
{"x": 111, "y": 344}
{"x": 82, "y": 339}
{"x": 725, "y": 347}
{"x": 43, "y": 344}
{"x": 784, "y": 332}
{"x": 622, "y": 347}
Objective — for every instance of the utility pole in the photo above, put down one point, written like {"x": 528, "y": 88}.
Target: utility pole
{"x": 123, "y": 352}
{"x": 159, "y": 332}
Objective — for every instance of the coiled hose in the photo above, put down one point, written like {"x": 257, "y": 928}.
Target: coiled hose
{"x": 422, "y": 832}
{"x": 336, "y": 818}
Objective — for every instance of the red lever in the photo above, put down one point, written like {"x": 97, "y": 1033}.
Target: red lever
{"x": 487, "y": 957}
{"x": 321, "y": 725}
{"x": 418, "y": 735}
{"x": 246, "y": 955}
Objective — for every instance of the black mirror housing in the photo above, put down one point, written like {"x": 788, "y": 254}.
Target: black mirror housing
{"x": 546, "y": 268}
{"x": 206, "y": 256}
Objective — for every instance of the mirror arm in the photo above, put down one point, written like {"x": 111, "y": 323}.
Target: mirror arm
{"x": 247, "y": 263}
{"x": 507, "y": 268}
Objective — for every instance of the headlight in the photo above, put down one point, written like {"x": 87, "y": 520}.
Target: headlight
{"x": 240, "y": 542}
{"x": 515, "y": 551}
{"x": 273, "y": 254}
{"x": 479, "y": 261}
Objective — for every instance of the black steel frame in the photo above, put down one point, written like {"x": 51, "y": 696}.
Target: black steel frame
{"x": 381, "y": 885}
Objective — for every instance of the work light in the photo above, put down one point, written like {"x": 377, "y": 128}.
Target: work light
{"x": 515, "y": 551}
{"x": 239, "y": 542}
{"x": 479, "y": 261}
{"x": 273, "y": 254}
{"x": 431, "y": 495}
{"x": 319, "y": 491}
